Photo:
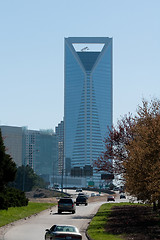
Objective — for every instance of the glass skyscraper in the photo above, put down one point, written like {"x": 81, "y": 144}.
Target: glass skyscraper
{"x": 88, "y": 103}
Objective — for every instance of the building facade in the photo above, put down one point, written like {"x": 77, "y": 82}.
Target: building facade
{"x": 38, "y": 149}
{"x": 59, "y": 130}
{"x": 13, "y": 141}
{"x": 30, "y": 148}
{"x": 47, "y": 164}
{"x": 40, "y": 152}
{"x": 87, "y": 103}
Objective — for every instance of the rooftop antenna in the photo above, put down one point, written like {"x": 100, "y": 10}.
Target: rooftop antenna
{"x": 84, "y": 49}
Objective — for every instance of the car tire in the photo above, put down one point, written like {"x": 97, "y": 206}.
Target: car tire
{"x": 73, "y": 211}
{"x": 59, "y": 212}
{"x": 86, "y": 204}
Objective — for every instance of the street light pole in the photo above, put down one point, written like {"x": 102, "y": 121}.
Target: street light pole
{"x": 24, "y": 169}
{"x": 62, "y": 181}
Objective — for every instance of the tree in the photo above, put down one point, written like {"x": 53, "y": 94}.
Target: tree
{"x": 9, "y": 197}
{"x": 26, "y": 179}
{"x": 7, "y": 166}
{"x": 115, "y": 144}
{"x": 143, "y": 166}
{"x": 134, "y": 147}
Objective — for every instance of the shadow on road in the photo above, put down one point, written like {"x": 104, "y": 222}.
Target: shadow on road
{"x": 84, "y": 217}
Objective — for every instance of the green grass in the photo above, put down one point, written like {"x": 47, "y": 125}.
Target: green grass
{"x": 96, "y": 229}
{"x": 16, "y": 213}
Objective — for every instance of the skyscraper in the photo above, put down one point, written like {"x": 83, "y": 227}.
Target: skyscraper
{"x": 88, "y": 102}
{"x": 59, "y": 130}
{"x": 40, "y": 151}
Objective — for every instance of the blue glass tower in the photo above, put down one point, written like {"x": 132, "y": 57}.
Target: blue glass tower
{"x": 88, "y": 103}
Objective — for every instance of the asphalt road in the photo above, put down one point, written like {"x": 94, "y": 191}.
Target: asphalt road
{"x": 34, "y": 228}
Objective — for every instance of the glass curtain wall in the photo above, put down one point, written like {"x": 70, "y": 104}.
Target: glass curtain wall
{"x": 88, "y": 104}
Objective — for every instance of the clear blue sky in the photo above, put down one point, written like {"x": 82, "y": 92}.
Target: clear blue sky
{"x": 32, "y": 36}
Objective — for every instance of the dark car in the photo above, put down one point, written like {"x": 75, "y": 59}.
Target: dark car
{"x": 63, "y": 232}
{"x": 82, "y": 194}
{"x": 79, "y": 190}
{"x": 122, "y": 196}
{"x": 66, "y": 205}
{"x": 110, "y": 198}
{"x": 81, "y": 199}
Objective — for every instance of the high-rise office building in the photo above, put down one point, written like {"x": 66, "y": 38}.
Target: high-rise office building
{"x": 40, "y": 152}
{"x": 30, "y": 147}
{"x": 59, "y": 130}
{"x": 13, "y": 140}
{"x": 38, "y": 149}
{"x": 88, "y": 102}
{"x": 46, "y": 165}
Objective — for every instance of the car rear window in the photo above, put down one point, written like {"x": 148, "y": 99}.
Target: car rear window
{"x": 65, "y": 229}
{"x": 65, "y": 200}
{"x": 81, "y": 197}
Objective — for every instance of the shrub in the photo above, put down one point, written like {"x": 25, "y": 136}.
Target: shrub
{"x": 12, "y": 197}
{"x": 3, "y": 201}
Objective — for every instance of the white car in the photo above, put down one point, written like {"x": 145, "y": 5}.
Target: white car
{"x": 59, "y": 232}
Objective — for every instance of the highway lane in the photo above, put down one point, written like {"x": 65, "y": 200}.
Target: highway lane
{"x": 73, "y": 192}
{"x": 34, "y": 228}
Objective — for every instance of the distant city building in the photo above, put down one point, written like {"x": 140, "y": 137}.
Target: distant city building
{"x": 47, "y": 164}
{"x": 87, "y": 104}
{"x": 40, "y": 152}
{"x": 38, "y": 149}
{"x": 60, "y": 146}
{"x": 13, "y": 138}
{"x": 31, "y": 148}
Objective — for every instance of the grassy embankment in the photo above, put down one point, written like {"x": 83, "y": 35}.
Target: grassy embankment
{"x": 96, "y": 229}
{"x": 16, "y": 213}
{"x": 117, "y": 221}
{"x": 131, "y": 213}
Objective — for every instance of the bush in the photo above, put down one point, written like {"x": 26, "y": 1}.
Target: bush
{"x": 12, "y": 197}
{"x": 3, "y": 201}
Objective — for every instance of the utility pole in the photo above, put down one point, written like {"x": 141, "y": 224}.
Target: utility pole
{"x": 62, "y": 181}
